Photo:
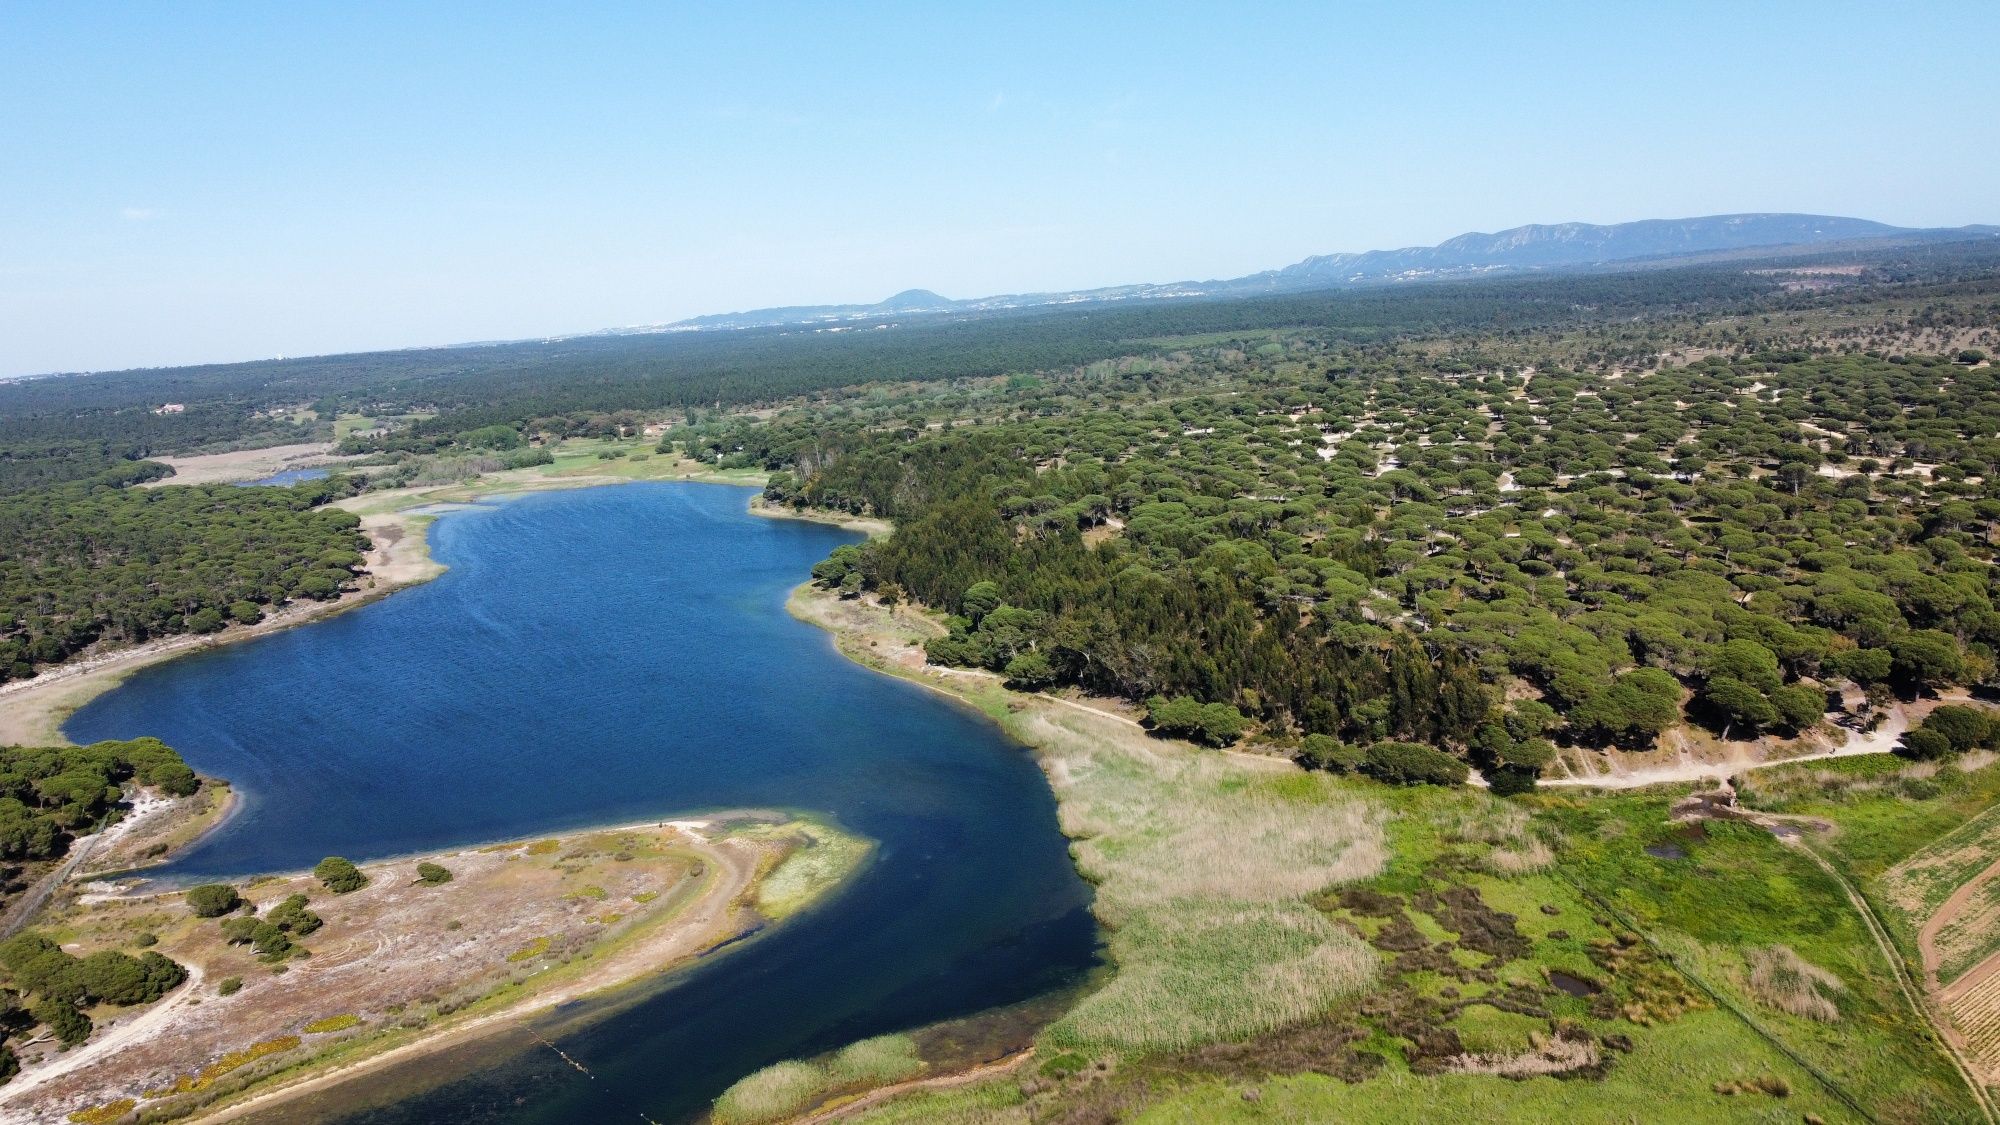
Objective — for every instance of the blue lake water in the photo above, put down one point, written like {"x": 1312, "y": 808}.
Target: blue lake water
{"x": 619, "y": 654}
{"x": 288, "y": 476}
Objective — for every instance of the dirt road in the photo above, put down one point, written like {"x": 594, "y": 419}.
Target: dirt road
{"x": 1881, "y": 740}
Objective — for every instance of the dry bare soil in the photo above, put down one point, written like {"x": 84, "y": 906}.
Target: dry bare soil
{"x": 401, "y": 965}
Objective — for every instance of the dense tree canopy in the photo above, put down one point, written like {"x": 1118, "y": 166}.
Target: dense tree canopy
{"x": 91, "y": 563}
{"x": 49, "y": 794}
{"x": 1374, "y": 545}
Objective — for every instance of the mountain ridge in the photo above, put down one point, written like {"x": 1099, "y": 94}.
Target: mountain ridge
{"x": 1530, "y": 248}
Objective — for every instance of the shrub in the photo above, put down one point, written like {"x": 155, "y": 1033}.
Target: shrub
{"x": 1325, "y": 752}
{"x": 1030, "y": 670}
{"x": 433, "y": 873}
{"x": 1963, "y": 727}
{"x": 1508, "y": 781}
{"x": 339, "y": 875}
{"x": 230, "y": 986}
{"x": 1215, "y": 724}
{"x": 332, "y": 1024}
{"x": 292, "y": 916}
{"x": 1221, "y": 724}
{"x": 63, "y": 1020}
{"x": 213, "y": 900}
{"x": 271, "y": 943}
{"x": 1408, "y": 763}
{"x": 104, "y": 1114}
{"x": 1925, "y": 745}
{"x": 524, "y": 458}
{"x": 1530, "y": 754}
{"x": 115, "y": 978}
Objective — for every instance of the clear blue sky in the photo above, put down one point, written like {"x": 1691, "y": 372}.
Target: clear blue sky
{"x": 193, "y": 182}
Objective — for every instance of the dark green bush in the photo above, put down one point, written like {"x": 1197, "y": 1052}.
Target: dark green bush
{"x": 339, "y": 876}
{"x": 64, "y": 1021}
{"x": 1925, "y": 745}
{"x": 1410, "y": 763}
{"x": 1325, "y": 752}
{"x": 213, "y": 900}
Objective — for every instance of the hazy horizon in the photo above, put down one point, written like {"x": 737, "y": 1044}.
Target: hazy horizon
{"x": 240, "y": 182}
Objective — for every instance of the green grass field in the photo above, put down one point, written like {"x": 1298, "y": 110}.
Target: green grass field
{"x": 1909, "y": 833}
{"x": 1735, "y": 889}
{"x": 1723, "y": 975}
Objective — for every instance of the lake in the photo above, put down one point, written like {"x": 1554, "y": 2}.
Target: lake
{"x": 619, "y": 654}
{"x": 286, "y": 477}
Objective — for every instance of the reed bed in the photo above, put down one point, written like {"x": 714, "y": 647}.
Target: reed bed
{"x": 1202, "y": 863}
{"x": 785, "y": 1089}
{"x": 1788, "y": 982}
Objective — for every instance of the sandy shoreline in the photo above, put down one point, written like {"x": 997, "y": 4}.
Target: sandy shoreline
{"x": 670, "y": 942}
{"x": 736, "y": 850}
{"x": 870, "y": 526}
{"x": 32, "y": 711}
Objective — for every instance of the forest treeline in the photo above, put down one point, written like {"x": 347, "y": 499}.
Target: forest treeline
{"x": 52, "y": 794}
{"x": 1328, "y": 510}
{"x": 97, "y": 562}
{"x": 1370, "y": 545}
{"x": 76, "y": 427}
{"x": 49, "y": 796}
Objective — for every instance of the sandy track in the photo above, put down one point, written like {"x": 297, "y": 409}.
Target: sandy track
{"x": 940, "y": 1082}
{"x": 1881, "y": 740}
{"x": 150, "y": 1022}
{"x": 22, "y": 911}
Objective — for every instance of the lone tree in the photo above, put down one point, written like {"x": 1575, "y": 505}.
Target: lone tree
{"x": 339, "y": 875}
{"x": 213, "y": 900}
{"x": 433, "y": 873}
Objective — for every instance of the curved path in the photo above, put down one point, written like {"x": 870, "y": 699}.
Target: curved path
{"x": 1932, "y": 1017}
{"x": 1881, "y": 740}
{"x": 149, "y": 1022}
{"x": 882, "y": 1094}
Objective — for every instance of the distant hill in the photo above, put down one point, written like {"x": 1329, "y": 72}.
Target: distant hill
{"x": 1526, "y": 249}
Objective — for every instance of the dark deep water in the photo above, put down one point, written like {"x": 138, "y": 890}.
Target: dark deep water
{"x": 618, "y": 654}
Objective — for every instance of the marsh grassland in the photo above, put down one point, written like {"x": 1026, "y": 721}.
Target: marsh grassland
{"x": 1292, "y": 946}
{"x": 1920, "y": 839}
